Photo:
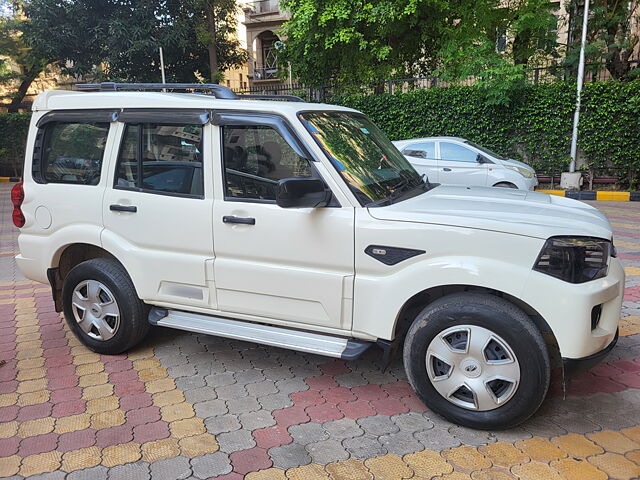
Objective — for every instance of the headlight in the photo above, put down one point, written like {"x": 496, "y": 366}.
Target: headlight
{"x": 574, "y": 259}
{"x": 525, "y": 172}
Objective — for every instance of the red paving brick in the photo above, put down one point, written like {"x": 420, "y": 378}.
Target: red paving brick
{"x": 272, "y": 436}
{"x": 143, "y": 415}
{"x": 245, "y": 461}
{"x": 150, "y": 432}
{"x": 76, "y": 440}
{"x": 287, "y": 417}
{"x": 324, "y": 412}
{"x": 38, "y": 444}
{"x": 114, "y": 435}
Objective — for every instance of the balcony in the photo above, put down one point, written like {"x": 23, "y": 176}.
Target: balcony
{"x": 260, "y": 7}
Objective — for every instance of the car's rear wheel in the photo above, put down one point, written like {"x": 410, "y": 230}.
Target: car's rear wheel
{"x": 477, "y": 360}
{"x": 102, "y": 308}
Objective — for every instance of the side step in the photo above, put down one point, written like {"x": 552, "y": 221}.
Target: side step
{"x": 300, "y": 340}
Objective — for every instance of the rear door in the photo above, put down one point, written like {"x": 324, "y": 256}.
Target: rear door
{"x": 157, "y": 207}
{"x": 423, "y": 158}
{"x": 458, "y": 164}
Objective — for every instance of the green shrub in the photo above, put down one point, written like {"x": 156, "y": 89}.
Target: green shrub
{"x": 535, "y": 127}
{"x": 13, "y": 138}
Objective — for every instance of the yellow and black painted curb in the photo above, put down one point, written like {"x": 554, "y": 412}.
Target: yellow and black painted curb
{"x": 9, "y": 179}
{"x": 602, "y": 195}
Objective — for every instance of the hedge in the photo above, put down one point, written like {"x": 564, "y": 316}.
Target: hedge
{"x": 535, "y": 127}
{"x": 13, "y": 137}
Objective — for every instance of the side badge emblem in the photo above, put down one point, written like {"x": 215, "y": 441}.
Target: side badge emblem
{"x": 391, "y": 255}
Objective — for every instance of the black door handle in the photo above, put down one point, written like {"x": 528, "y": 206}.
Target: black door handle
{"x": 123, "y": 208}
{"x": 446, "y": 169}
{"x": 234, "y": 219}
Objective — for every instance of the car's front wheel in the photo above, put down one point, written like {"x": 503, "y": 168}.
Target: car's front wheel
{"x": 477, "y": 360}
{"x": 102, "y": 308}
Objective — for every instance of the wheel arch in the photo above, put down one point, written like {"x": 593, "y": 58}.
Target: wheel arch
{"x": 65, "y": 259}
{"x": 420, "y": 300}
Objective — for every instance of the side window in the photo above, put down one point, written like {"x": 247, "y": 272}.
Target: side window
{"x": 457, "y": 153}
{"x": 72, "y": 153}
{"x": 161, "y": 159}
{"x": 426, "y": 150}
{"x": 255, "y": 157}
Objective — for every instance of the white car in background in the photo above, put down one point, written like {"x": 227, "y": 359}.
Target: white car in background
{"x": 453, "y": 160}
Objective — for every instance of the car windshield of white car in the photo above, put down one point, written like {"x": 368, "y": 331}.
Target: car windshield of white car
{"x": 491, "y": 153}
{"x": 372, "y": 166}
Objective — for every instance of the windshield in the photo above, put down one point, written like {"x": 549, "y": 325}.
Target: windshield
{"x": 485, "y": 150}
{"x": 372, "y": 166}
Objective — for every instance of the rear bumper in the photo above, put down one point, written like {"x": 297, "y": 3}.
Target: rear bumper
{"x": 575, "y": 366}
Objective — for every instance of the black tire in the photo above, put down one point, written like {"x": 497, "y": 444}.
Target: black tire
{"x": 506, "y": 185}
{"x": 133, "y": 324}
{"x": 501, "y": 318}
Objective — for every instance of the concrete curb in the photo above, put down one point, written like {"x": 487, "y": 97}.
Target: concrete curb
{"x": 603, "y": 195}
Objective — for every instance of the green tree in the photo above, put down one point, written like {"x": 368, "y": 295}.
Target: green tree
{"x": 119, "y": 39}
{"x": 17, "y": 52}
{"x": 612, "y": 36}
{"x": 360, "y": 41}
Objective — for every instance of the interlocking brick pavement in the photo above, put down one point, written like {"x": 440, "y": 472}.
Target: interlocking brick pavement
{"x": 191, "y": 406}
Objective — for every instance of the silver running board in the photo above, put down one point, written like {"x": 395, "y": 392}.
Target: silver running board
{"x": 302, "y": 341}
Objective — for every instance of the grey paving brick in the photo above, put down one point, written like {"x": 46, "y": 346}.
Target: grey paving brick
{"x": 542, "y": 427}
{"x": 612, "y": 421}
{"x": 184, "y": 370}
{"x": 277, "y": 373}
{"x": 291, "y": 385}
{"x": 275, "y": 401}
{"x": 327, "y": 451}
{"x": 243, "y": 405}
{"x": 343, "y": 428}
{"x": 308, "y": 433}
{"x": 252, "y": 375}
{"x": 237, "y": 440}
{"x": 305, "y": 371}
{"x": 400, "y": 443}
{"x": 571, "y": 422}
{"x": 58, "y": 475}
{"x": 469, "y": 436}
{"x": 173, "y": 359}
{"x": 289, "y": 456}
{"x": 349, "y": 380}
{"x": 264, "y": 363}
{"x": 210, "y": 408}
{"x": 210, "y": 465}
{"x": 191, "y": 347}
{"x": 411, "y": 422}
{"x": 266, "y": 387}
{"x": 258, "y": 419}
{"x": 177, "y": 468}
{"x": 210, "y": 368}
{"x": 222, "y": 424}
{"x": 512, "y": 435}
{"x": 93, "y": 473}
{"x": 131, "y": 471}
{"x": 200, "y": 394}
{"x": 437, "y": 439}
{"x": 220, "y": 379}
{"x": 201, "y": 358}
{"x": 377, "y": 425}
{"x": 189, "y": 383}
{"x": 364, "y": 447}
{"x": 231, "y": 392}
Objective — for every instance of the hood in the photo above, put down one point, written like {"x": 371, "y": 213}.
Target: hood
{"x": 518, "y": 212}
{"x": 511, "y": 161}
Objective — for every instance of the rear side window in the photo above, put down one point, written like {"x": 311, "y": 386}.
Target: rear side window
{"x": 161, "y": 159}
{"x": 71, "y": 153}
{"x": 426, "y": 150}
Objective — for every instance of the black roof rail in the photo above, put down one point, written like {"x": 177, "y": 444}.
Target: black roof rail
{"x": 259, "y": 96}
{"x": 218, "y": 91}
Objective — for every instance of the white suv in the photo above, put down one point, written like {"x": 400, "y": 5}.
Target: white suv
{"x": 300, "y": 225}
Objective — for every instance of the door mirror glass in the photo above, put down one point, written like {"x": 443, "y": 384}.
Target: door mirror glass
{"x": 302, "y": 193}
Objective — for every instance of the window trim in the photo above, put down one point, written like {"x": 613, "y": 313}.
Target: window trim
{"x": 38, "y": 170}
{"x": 138, "y": 188}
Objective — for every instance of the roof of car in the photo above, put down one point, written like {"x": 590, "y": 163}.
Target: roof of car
{"x": 427, "y": 139}
{"x": 72, "y": 100}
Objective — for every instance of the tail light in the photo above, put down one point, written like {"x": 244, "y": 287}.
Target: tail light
{"x": 17, "y": 197}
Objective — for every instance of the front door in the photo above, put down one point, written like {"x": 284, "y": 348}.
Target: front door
{"x": 289, "y": 266}
{"x": 459, "y": 165}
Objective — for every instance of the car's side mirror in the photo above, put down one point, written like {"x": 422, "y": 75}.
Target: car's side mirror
{"x": 480, "y": 159}
{"x": 305, "y": 192}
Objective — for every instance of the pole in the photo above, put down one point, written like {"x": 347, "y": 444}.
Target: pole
{"x": 576, "y": 115}
{"x": 164, "y": 80}
{"x": 290, "y": 77}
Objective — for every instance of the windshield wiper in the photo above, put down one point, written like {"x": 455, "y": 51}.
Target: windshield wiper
{"x": 404, "y": 186}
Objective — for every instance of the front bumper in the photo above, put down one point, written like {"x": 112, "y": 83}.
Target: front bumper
{"x": 575, "y": 366}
